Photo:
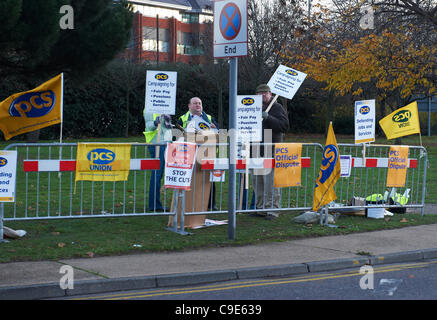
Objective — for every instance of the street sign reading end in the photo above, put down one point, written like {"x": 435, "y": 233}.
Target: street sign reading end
{"x": 230, "y": 28}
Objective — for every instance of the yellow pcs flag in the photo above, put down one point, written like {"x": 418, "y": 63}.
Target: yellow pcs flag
{"x": 103, "y": 161}
{"x": 401, "y": 122}
{"x": 32, "y": 110}
{"x": 329, "y": 172}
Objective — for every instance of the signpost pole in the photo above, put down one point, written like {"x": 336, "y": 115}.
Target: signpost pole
{"x": 232, "y": 147}
{"x": 230, "y": 41}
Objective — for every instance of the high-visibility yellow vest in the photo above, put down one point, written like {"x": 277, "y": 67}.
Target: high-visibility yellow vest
{"x": 151, "y": 134}
{"x": 375, "y": 197}
{"x": 184, "y": 119}
{"x": 400, "y": 199}
{"x": 397, "y": 198}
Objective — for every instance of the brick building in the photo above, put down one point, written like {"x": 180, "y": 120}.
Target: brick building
{"x": 170, "y": 30}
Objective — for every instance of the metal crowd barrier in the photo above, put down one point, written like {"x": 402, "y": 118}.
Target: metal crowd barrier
{"x": 368, "y": 176}
{"x": 291, "y": 198}
{"x": 46, "y": 188}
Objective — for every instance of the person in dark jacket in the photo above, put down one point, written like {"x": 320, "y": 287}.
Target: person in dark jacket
{"x": 274, "y": 125}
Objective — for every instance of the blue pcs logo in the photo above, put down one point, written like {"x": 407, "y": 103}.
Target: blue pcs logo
{"x": 291, "y": 72}
{"x": 203, "y": 126}
{"x": 182, "y": 148}
{"x": 33, "y": 104}
{"x": 3, "y": 162}
{"x": 330, "y": 158}
{"x": 161, "y": 76}
{"x": 101, "y": 156}
{"x": 364, "y": 109}
{"x": 247, "y": 101}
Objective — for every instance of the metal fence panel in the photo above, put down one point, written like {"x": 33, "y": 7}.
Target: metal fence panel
{"x": 46, "y": 187}
{"x": 369, "y": 175}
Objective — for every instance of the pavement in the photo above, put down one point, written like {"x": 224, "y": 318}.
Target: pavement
{"x": 41, "y": 279}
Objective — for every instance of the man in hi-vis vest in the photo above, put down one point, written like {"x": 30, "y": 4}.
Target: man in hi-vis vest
{"x": 152, "y": 121}
{"x": 196, "y": 120}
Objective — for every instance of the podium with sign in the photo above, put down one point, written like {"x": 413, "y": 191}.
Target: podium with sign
{"x": 196, "y": 186}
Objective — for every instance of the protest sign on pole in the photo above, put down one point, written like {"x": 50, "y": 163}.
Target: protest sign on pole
{"x": 249, "y": 128}
{"x": 249, "y": 118}
{"x": 161, "y": 92}
{"x": 364, "y": 121}
{"x": 285, "y": 82}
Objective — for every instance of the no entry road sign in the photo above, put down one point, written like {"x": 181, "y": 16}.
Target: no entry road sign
{"x": 230, "y": 28}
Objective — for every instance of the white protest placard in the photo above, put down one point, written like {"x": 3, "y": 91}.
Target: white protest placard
{"x": 179, "y": 164}
{"x": 364, "y": 121}
{"x": 249, "y": 118}
{"x": 161, "y": 92}
{"x": 8, "y": 175}
{"x": 286, "y": 81}
{"x": 345, "y": 166}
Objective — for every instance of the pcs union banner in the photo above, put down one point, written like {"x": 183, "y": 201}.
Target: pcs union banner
{"x": 103, "y": 161}
{"x": 402, "y": 122}
{"x": 32, "y": 110}
{"x": 329, "y": 173}
{"x": 397, "y": 166}
{"x": 287, "y": 165}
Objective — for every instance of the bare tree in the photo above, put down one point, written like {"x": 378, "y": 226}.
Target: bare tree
{"x": 271, "y": 25}
{"x": 426, "y": 9}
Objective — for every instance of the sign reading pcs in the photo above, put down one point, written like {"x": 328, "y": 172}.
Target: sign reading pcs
{"x": 230, "y": 28}
{"x": 364, "y": 121}
{"x": 161, "y": 92}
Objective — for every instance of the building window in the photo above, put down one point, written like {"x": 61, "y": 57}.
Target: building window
{"x": 190, "y": 17}
{"x": 149, "y": 39}
{"x": 189, "y": 43}
{"x": 150, "y": 45}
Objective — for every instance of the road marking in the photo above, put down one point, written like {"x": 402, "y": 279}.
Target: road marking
{"x": 254, "y": 283}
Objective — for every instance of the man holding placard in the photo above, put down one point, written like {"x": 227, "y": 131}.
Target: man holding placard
{"x": 275, "y": 123}
{"x": 158, "y": 127}
{"x": 160, "y": 103}
{"x": 197, "y": 121}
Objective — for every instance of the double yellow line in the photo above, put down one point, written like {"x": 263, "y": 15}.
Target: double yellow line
{"x": 254, "y": 283}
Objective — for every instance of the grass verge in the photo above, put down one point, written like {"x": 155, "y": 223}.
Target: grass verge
{"x": 88, "y": 238}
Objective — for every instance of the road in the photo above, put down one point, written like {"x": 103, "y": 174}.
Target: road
{"x": 409, "y": 281}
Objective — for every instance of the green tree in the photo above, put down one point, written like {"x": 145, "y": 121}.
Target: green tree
{"x": 33, "y": 43}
